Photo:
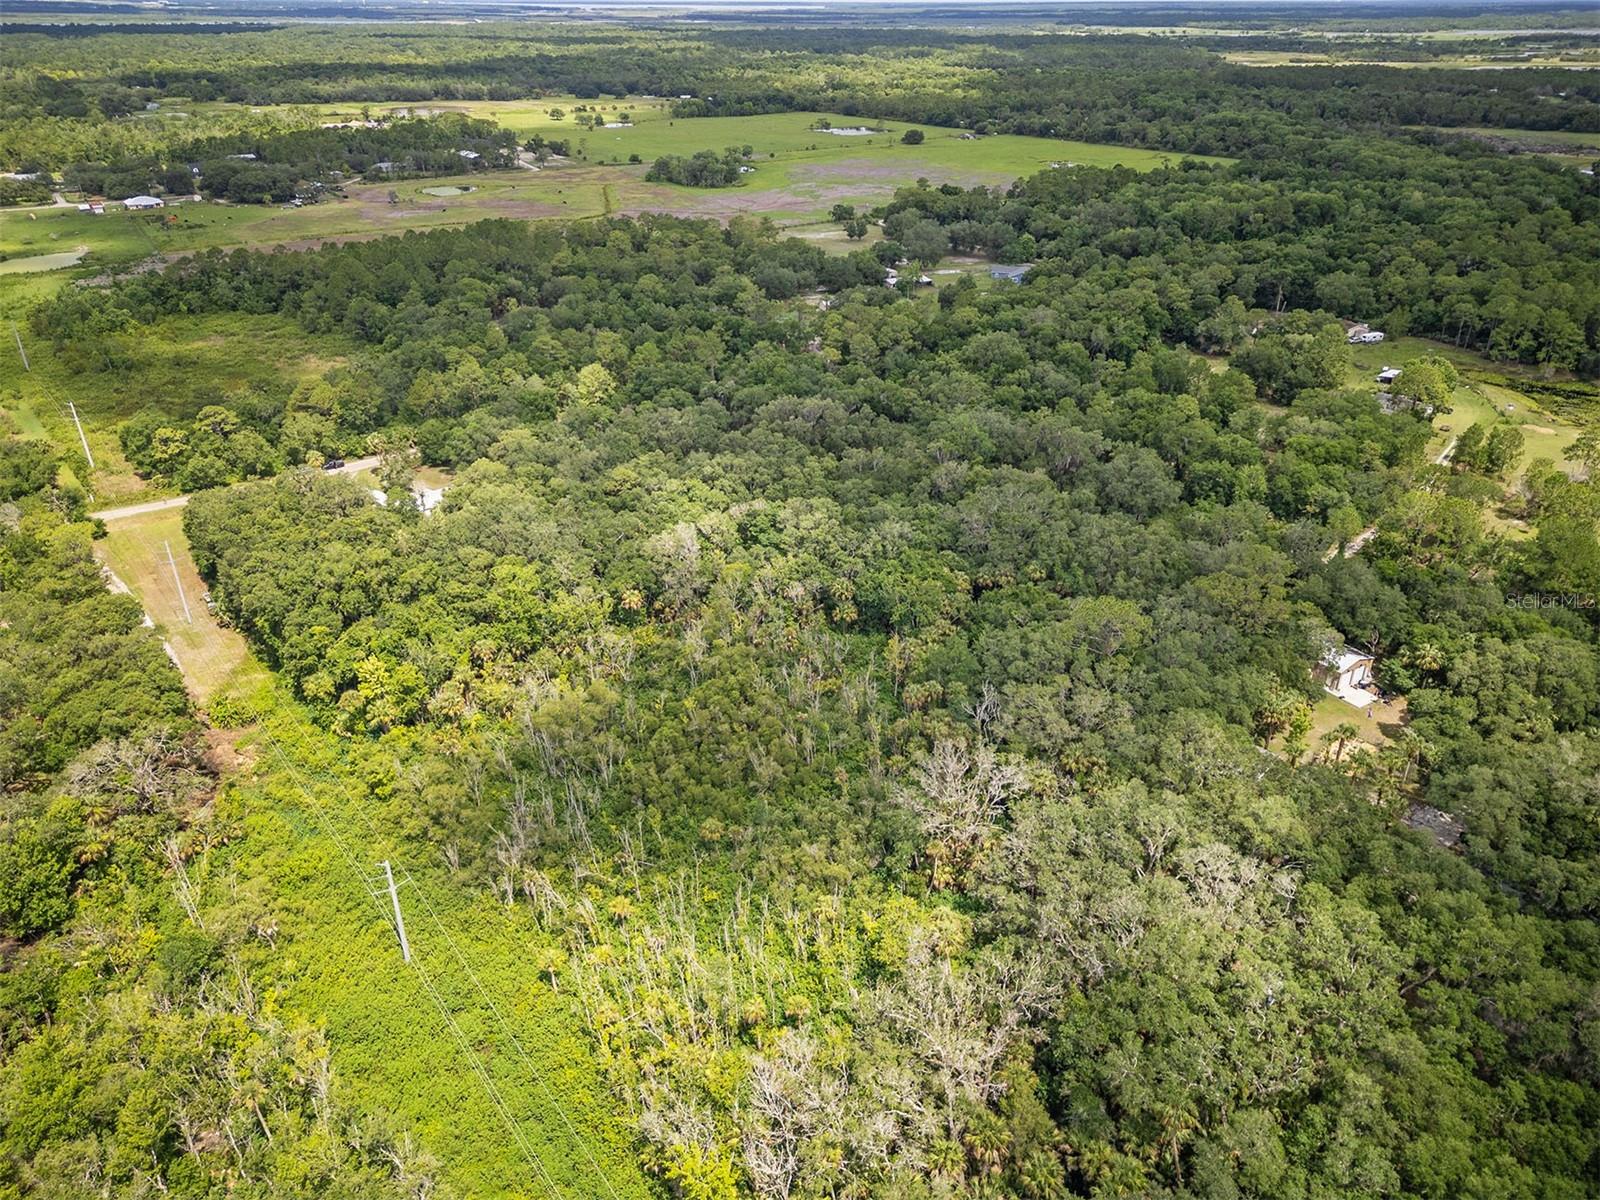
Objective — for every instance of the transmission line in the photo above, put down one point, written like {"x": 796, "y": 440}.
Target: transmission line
{"x": 496, "y": 1099}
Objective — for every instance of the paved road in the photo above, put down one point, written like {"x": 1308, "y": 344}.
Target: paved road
{"x": 352, "y": 467}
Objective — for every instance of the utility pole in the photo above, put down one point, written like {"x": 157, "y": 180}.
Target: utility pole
{"x": 399, "y": 921}
{"x": 182, "y": 599}
{"x": 16, "y": 333}
{"x": 74, "y": 410}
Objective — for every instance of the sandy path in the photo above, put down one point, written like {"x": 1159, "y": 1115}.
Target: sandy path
{"x": 353, "y": 467}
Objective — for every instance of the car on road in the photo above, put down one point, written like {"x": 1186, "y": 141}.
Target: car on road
{"x": 333, "y": 464}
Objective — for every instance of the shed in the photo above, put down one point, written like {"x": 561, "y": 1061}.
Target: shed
{"x": 143, "y": 202}
{"x": 1347, "y": 674}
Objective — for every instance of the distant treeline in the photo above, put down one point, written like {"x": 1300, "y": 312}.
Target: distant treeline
{"x": 1187, "y": 98}
{"x": 85, "y": 29}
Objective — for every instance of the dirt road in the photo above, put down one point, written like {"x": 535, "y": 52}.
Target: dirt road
{"x": 353, "y": 467}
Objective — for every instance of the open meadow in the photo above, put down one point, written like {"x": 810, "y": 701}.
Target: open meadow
{"x": 173, "y": 367}
{"x": 799, "y": 173}
{"x": 1489, "y": 392}
{"x": 294, "y": 822}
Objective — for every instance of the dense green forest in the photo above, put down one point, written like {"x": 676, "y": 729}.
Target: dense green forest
{"x": 878, "y": 720}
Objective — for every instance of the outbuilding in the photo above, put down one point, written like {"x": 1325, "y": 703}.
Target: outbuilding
{"x": 1347, "y": 674}
{"x": 138, "y": 202}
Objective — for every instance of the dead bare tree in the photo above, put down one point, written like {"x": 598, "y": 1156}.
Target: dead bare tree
{"x": 958, "y": 794}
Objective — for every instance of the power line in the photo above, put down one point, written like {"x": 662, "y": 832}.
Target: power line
{"x": 399, "y": 918}
{"x": 82, "y": 436}
{"x": 511, "y": 1033}
{"x": 505, "y": 1025}
{"x": 496, "y": 1100}
{"x": 178, "y": 583}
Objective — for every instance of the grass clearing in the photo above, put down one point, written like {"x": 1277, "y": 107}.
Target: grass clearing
{"x": 1486, "y": 395}
{"x": 800, "y": 173}
{"x": 1577, "y": 150}
{"x": 176, "y": 366}
{"x": 311, "y": 844}
{"x": 210, "y": 656}
{"x": 1489, "y": 60}
{"x": 1376, "y": 725}
{"x": 337, "y": 962}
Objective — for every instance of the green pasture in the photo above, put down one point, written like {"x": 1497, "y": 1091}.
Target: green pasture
{"x": 1488, "y": 394}
{"x": 1351, "y": 57}
{"x": 655, "y": 132}
{"x": 1559, "y": 145}
{"x": 175, "y": 366}
{"x": 800, "y": 173}
{"x": 1554, "y": 137}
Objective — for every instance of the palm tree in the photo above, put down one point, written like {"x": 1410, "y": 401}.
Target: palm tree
{"x": 1414, "y": 749}
{"x": 1342, "y": 734}
{"x": 988, "y": 1140}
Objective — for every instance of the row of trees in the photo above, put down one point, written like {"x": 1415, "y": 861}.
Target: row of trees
{"x": 274, "y": 166}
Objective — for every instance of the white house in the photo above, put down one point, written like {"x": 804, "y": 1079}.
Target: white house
{"x": 143, "y": 202}
{"x": 1347, "y": 674}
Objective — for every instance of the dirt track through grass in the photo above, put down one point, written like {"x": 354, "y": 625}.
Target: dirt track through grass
{"x": 135, "y": 549}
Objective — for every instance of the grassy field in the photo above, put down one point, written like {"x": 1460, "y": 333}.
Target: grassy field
{"x": 1571, "y": 149}
{"x": 1376, "y": 724}
{"x": 1487, "y": 393}
{"x": 210, "y": 657}
{"x": 800, "y": 173}
{"x": 175, "y": 366}
{"x": 1487, "y": 61}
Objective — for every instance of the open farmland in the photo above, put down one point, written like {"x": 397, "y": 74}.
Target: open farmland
{"x": 800, "y": 172}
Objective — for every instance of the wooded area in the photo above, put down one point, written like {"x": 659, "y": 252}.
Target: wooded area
{"x": 872, "y": 730}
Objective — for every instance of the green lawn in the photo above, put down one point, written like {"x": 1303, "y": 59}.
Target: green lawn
{"x": 1545, "y": 434}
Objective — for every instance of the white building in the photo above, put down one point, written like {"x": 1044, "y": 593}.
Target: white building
{"x": 137, "y": 202}
{"x": 1347, "y": 674}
